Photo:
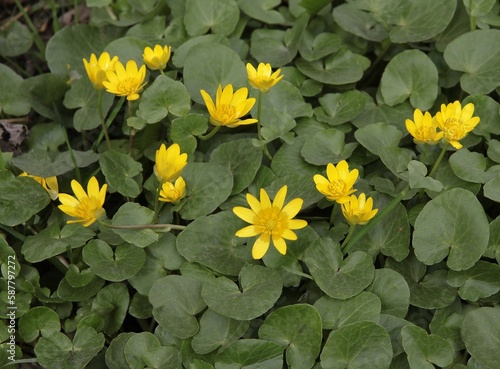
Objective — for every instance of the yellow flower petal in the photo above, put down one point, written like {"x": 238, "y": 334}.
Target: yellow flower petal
{"x": 280, "y": 244}
{"x": 260, "y": 247}
{"x": 248, "y": 231}
{"x": 246, "y": 214}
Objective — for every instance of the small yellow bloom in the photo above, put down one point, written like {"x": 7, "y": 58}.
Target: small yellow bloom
{"x": 126, "y": 81}
{"x": 456, "y": 122}
{"x": 169, "y": 163}
{"x": 263, "y": 78}
{"x": 339, "y": 184}
{"x": 229, "y": 107}
{"x": 358, "y": 210}
{"x": 271, "y": 221}
{"x": 49, "y": 184}
{"x": 423, "y": 128}
{"x": 96, "y": 69}
{"x": 87, "y": 206}
{"x": 173, "y": 192}
{"x": 157, "y": 58}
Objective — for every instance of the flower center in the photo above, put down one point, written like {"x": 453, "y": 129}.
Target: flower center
{"x": 127, "y": 85}
{"x": 226, "y": 113}
{"x": 337, "y": 187}
{"x": 271, "y": 221}
{"x": 454, "y": 129}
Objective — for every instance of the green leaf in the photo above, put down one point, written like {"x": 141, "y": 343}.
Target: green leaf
{"x": 337, "y": 313}
{"x": 145, "y": 350}
{"x": 452, "y": 225}
{"x": 51, "y": 241}
{"x": 420, "y": 21}
{"x": 315, "y": 47}
{"x": 84, "y": 97}
{"x": 185, "y": 128}
{"x": 376, "y": 136}
{"x": 225, "y": 67}
{"x": 250, "y": 353}
{"x": 489, "y": 111}
{"x": 58, "y": 352}
{"x": 278, "y": 47}
{"x": 69, "y": 293}
{"x": 480, "y": 281}
{"x": 15, "y": 39}
{"x": 340, "y": 68}
{"x": 410, "y": 74}
{"x": 45, "y": 94}
{"x": 46, "y": 136}
{"x": 492, "y": 189}
{"x": 219, "y": 16}
{"x": 417, "y": 174}
{"x": 259, "y": 288}
{"x": 38, "y": 320}
{"x": 12, "y": 99}
{"x": 164, "y": 96}
{"x": 392, "y": 290}
{"x": 297, "y": 329}
{"x": 447, "y": 322}
{"x": 337, "y": 277}
{"x": 217, "y": 331}
{"x": 140, "y": 307}
{"x": 120, "y": 170}
{"x": 391, "y": 235}
{"x": 340, "y": 108}
{"x": 211, "y": 241}
{"x": 475, "y": 54}
{"x": 470, "y": 166}
{"x": 78, "y": 278}
{"x": 242, "y": 159}
{"x": 360, "y": 345}
{"x": 113, "y": 265}
{"x": 359, "y": 22}
{"x": 424, "y": 349}
{"x": 327, "y": 146}
{"x": 289, "y": 100}
{"x": 275, "y": 124}
{"x": 481, "y": 335}
{"x": 393, "y": 326}
{"x": 479, "y": 8}
{"x": 127, "y": 48}
{"x": 20, "y": 199}
{"x": 111, "y": 303}
{"x": 40, "y": 163}
{"x": 115, "y": 358}
{"x": 176, "y": 299}
{"x": 208, "y": 185}
{"x": 179, "y": 57}
{"x": 133, "y": 214}
{"x": 262, "y": 10}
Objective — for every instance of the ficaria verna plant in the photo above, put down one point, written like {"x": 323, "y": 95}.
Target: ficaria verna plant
{"x": 216, "y": 184}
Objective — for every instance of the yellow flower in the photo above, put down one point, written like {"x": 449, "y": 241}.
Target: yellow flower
{"x": 96, "y": 69}
{"x": 263, "y": 78}
{"x": 229, "y": 107}
{"x": 87, "y": 206}
{"x": 271, "y": 221}
{"x": 169, "y": 163}
{"x": 173, "y": 192}
{"x": 49, "y": 184}
{"x": 126, "y": 82}
{"x": 157, "y": 58}
{"x": 423, "y": 128}
{"x": 339, "y": 184}
{"x": 456, "y": 122}
{"x": 358, "y": 210}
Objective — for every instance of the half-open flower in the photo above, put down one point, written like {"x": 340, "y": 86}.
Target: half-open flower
{"x": 270, "y": 221}
{"x": 87, "y": 206}
{"x": 126, "y": 81}
{"x": 263, "y": 77}
{"x": 97, "y": 68}
{"x": 339, "y": 184}
{"x": 157, "y": 58}
{"x": 49, "y": 184}
{"x": 229, "y": 107}
{"x": 169, "y": 163}
{"x": 358, "y": 210}
{"x": 456, "y": 122}
{"x": 173, "y": 192}
{"x": 423, "y": 128}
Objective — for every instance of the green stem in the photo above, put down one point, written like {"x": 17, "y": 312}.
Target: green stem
{"x": 13, "y": 232}
{"x": 352, "y": 228}
{"x": 36, "y": 37}
{"x": 2, "y": 163}
{"x": 157, "y": 202}
{"x": 110, "y": 120}
{"x": 101, "y": 117}
{"x": 259, "y": 134}
{"x": 438, "y": 160}
{"x": 75, "y": 11}
{"x": 55, "y": 21}
{"x": 158, "y": 227}
{"x": 132, "y": 133}
{"x": 66, "y": 138}
{"x": 472, "y": 19}
{"x": 210, "y": 134}
{"x": 296, "y": 272}
{"x": 377, "y": 219}
{"x": 334, "y": 210}
{"x": 161, "y": 72}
